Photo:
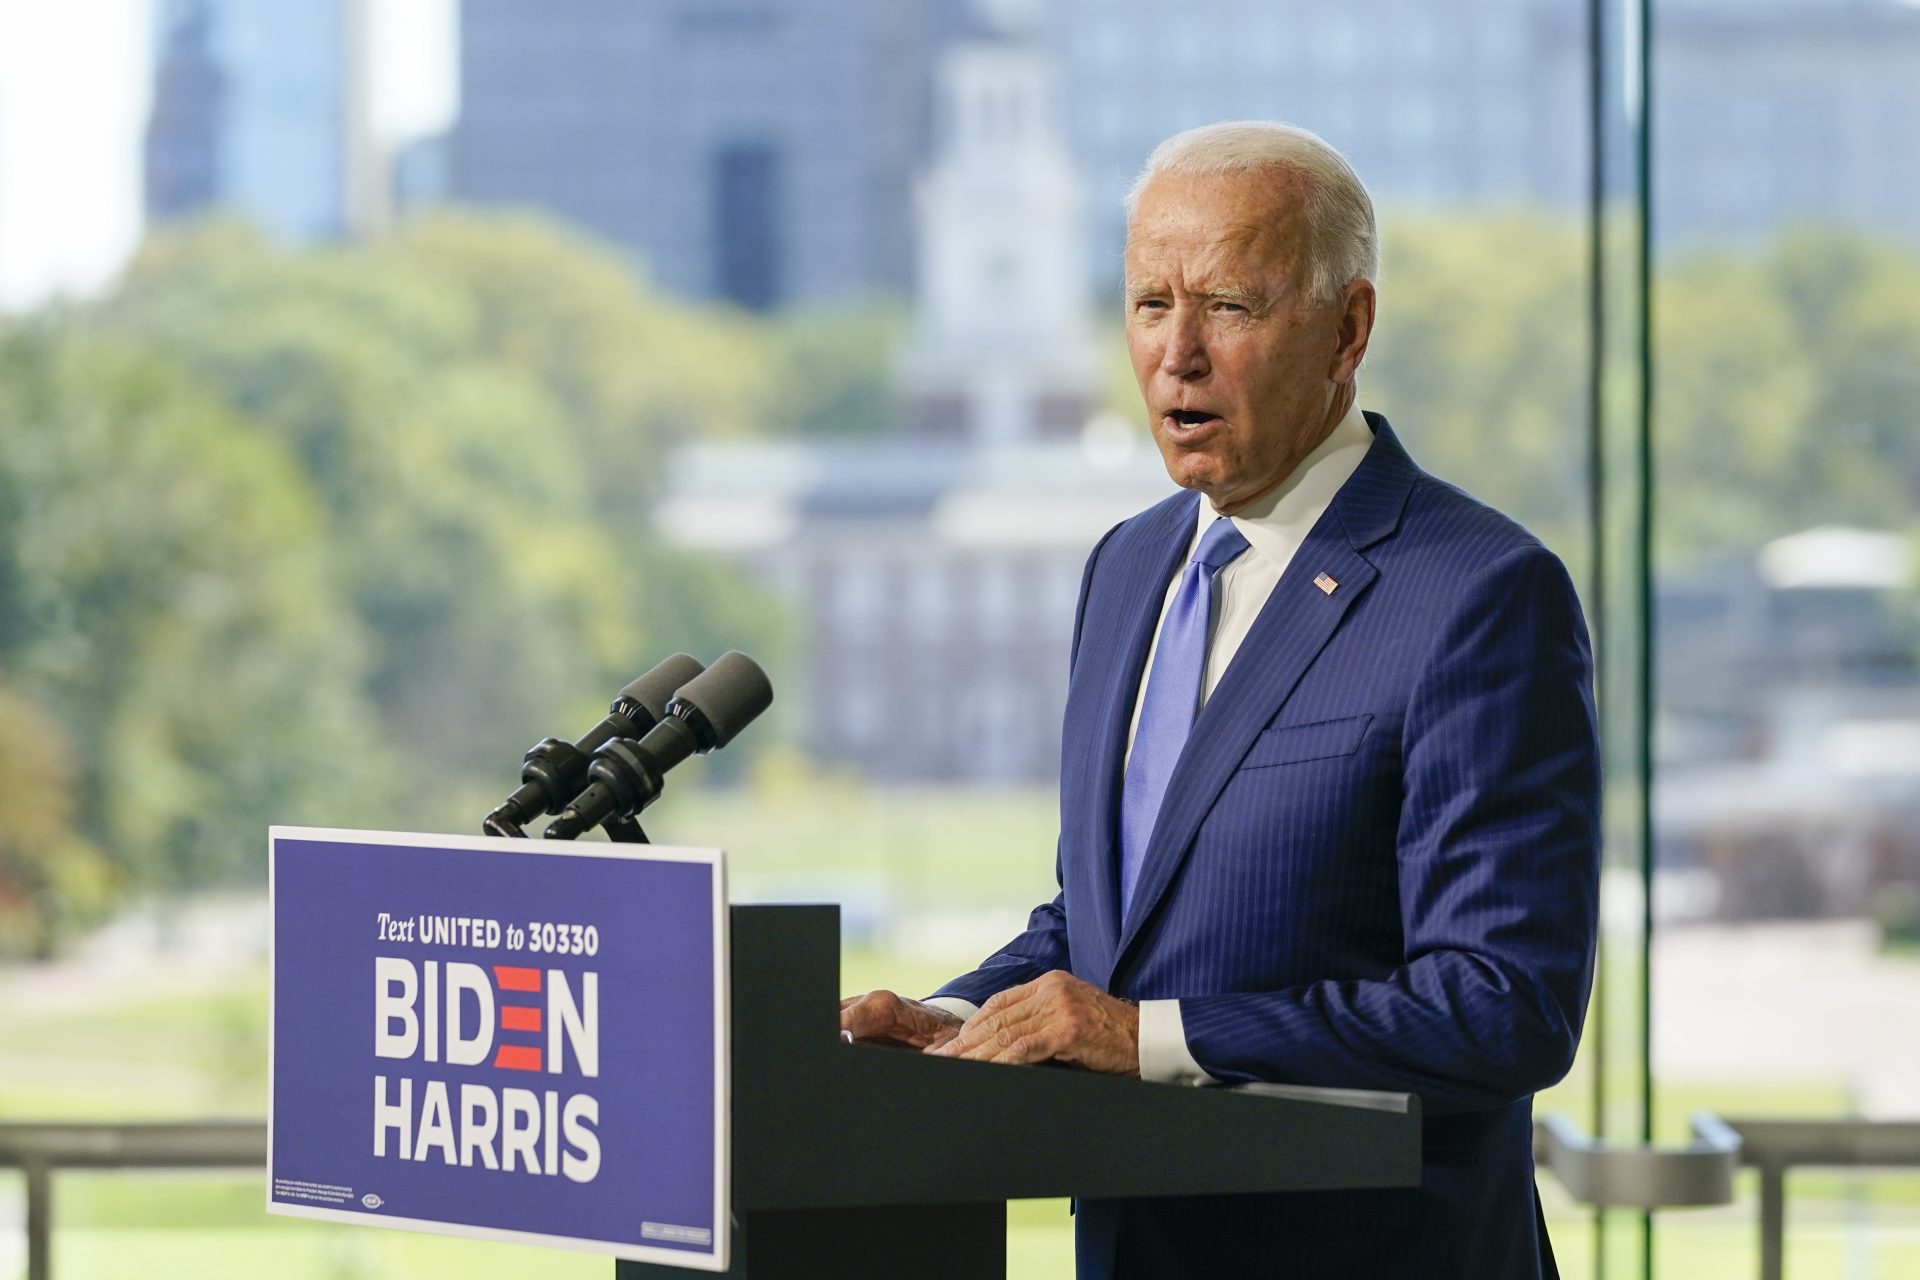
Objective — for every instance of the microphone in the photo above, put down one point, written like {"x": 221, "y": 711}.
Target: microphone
{"x": 706, "y": 714}
{"x": 554, "y": 771}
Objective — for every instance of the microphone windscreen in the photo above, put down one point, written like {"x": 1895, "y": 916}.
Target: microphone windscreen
{"x": 655, "y": 689}
{"x": 730, "y": 693}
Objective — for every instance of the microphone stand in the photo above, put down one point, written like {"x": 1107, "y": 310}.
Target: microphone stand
{"x": 624, "y": 831}
{"x": 619, "y": 830}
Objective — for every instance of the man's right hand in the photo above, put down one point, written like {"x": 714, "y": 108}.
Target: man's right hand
{"x": 882, "y": 1015}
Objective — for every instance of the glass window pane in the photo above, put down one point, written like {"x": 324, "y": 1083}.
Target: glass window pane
{"x": 1788, "y": 656}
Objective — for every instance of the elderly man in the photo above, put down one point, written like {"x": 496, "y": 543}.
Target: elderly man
{"x": 1329, "y": 792}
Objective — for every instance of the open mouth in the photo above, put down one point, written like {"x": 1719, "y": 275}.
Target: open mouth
{"x": 1185, "y": 420}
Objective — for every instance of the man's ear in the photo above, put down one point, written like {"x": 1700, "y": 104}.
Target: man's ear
{"x": 1356, "y": 328}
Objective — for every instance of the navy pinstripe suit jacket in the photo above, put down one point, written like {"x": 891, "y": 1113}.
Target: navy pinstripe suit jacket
{"x": 1376, "y": 867}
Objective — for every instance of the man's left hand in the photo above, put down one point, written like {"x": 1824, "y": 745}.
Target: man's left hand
{"x": 1056, "y": 1016}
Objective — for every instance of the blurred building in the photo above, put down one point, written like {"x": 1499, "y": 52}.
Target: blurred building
{"x": 937, "y": 572}
{"x": 184, "y": 164}
{"x": 936, "y": 583}
{"x": 419, "y": 177}
{"x": 763, "y": 150}
{"x": 1483, "y": 102}
{"x": 1779, "y": 111}
{"x": 1002, "y": 351}
{"x": 1789, "y": 740}
{"x": 1486, "y": 102}
{"x": 260, "y": 110}
{"x": 760, "y": 151}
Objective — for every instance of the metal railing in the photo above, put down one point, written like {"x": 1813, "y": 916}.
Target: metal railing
{"x": 1701, "y": 1172}
{"x": 1594, "y": 1173}
{"x": 1611, "y": 1177}
{"x": 38, "y": 1150}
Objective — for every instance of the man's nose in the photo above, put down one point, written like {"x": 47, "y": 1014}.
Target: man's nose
{"x": 1185, "y": 356}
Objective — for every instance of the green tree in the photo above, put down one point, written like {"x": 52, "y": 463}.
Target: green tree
{"x": 1854, "y": 301}
{"x": 170, "y": 612}
{"x": 836, "y": 370}
{"x": 331, "y": 535}
{"x": 51, "y": 878}
{"x": 484, "y": 405}
{"x": 1479, "y": 353}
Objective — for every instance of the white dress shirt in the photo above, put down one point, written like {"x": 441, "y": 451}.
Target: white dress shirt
{"x": 1274, "y": 527}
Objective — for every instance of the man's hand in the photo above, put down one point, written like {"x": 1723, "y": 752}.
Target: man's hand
{"x": 882, "y": 1015}
{"x": 1056, "y": 1016}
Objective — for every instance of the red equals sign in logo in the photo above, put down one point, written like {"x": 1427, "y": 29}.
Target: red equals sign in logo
{"x": 518, "y": 1017}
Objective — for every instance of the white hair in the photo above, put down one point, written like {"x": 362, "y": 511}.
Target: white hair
{"x": 1343, "y": 244}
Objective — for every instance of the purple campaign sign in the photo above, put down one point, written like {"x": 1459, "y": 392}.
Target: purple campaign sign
{"x": 512, "y": 1039}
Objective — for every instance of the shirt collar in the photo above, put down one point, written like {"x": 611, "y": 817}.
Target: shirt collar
{"x": 1278, "y": 523}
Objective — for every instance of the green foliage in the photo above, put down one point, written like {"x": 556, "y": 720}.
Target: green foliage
{"x": 1787, "y": 392}
{"x": 49, "y": 875}
{"x": 333, "y": 535}
{"x": 482, "y": 405}
{"x": 836, "y": 370}
{"x": 631, "y": 370}
{"x": 1479, "y": 356}
{"x": 170, "y": 609}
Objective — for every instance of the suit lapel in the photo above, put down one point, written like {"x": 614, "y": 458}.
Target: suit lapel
{"x": 1294, "y": 625}
{"x": 1146, "y": 565}
{"x": 1292, "y": 628}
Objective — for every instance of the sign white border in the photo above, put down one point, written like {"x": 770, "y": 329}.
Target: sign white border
{"x": 716, "y": 859}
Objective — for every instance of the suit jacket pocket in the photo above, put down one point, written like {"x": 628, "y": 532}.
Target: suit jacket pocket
{"x": 1291, "y": 744}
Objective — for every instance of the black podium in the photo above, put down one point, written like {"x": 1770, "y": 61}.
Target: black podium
{"x": 859, "y": 1160}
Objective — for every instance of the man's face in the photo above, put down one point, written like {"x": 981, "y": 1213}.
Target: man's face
{"x": 1239, "y": 369}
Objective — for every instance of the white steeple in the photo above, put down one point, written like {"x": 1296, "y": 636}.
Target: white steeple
{"x": 1002, "y": 351}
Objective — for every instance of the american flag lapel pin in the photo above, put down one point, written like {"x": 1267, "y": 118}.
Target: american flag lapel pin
{"x": 1325, "y": 583}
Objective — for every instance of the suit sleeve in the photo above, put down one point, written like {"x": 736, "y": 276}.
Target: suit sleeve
{"x": 1042, "y": 947}
{"x": 1498, "y": 857}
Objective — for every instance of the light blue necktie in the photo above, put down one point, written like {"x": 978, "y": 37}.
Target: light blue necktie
{"x": 1172, "y": 701}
